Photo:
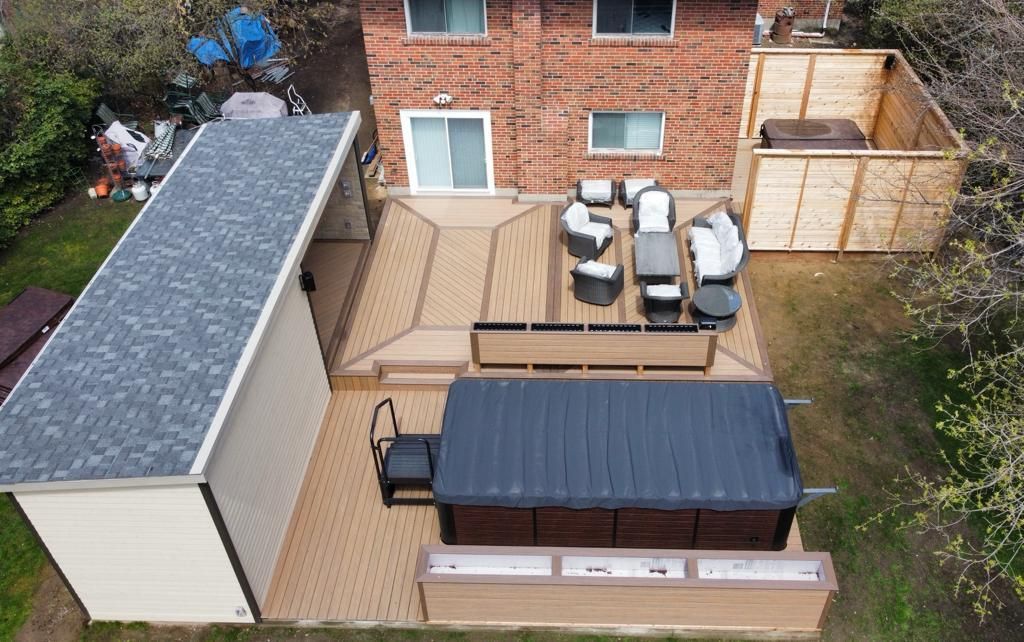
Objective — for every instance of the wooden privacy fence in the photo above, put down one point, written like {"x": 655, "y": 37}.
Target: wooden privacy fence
{"x": 738, "y": 591}
{"x": 893, "y": 197}
{"x": 867, "y": 201}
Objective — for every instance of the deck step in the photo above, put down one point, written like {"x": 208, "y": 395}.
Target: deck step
{"x": 410, "y": 375}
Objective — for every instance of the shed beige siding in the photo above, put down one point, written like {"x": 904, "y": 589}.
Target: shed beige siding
{"x": 257, "y": 468}
{"x": 150, "y": 553}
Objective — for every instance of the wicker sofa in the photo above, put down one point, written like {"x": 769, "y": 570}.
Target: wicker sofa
{"x": 704, "y": 251}
{"x": 653, "y": 198}
{"x": 590, "y": 286}
{"x": 588, "y": 234}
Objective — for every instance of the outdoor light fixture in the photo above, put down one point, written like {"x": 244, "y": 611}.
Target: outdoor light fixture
{"x": 443, "y": 99}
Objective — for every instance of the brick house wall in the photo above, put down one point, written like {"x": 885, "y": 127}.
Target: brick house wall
{"x": 809, "y": 13}
{"x": 540, "y": 73}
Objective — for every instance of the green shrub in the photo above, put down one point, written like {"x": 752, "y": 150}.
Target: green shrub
{"x": 43, "y": 137}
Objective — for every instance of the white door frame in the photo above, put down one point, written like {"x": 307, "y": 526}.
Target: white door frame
{"x": 410, "y": 159}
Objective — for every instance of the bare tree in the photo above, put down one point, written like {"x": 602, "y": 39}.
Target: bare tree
{"x": 971, "y": 55}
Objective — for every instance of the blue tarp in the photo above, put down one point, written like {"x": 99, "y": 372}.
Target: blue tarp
{"x": 251, "y": 40}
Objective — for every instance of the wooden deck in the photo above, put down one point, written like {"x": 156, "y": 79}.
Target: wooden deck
{"x": 346, "y": 557}
{"x": 440, "y": 264}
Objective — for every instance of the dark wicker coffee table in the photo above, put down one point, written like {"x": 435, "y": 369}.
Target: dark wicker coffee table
{"x": 716, "y": 303}
{"x": 657, "y": 257}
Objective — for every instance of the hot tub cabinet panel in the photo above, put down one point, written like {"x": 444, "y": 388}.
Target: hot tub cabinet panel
{"x": 752, "y": 530}
{"x": 650, "y": 528}
{"x": 487, "y": 525}
{"x": 568, "y": 527}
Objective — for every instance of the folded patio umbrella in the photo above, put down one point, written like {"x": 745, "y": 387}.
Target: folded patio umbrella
{"x": 253, "y": 105}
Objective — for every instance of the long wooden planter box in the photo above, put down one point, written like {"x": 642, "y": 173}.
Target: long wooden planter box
{"x": 600, "y": 587}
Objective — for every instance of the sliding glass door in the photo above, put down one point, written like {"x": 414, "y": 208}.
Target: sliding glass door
{"x": 448, "y": 151}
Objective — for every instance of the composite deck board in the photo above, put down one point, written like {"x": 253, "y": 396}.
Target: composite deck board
{"x": 495, "y": 260}
{"x": 455, "y": 292}
{"x": 346, "y": 557}
{"x": 387, "y": 302}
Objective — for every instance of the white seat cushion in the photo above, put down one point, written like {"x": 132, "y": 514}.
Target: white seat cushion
{"x": 600, "y": 232}
{"x": 729, "y": 258}
{"x": 593, "y": 268}
{"x": 634, "y": 185}
{"x": 647, "y": 222}
{"x": 576, "y": 216}
{"x": 654, "y": 202}
{"x": 596, "y": 190}
{"x": 706, "y": 264}
{"x": 664, "y": 290}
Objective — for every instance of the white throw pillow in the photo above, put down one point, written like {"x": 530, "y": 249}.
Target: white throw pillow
{"x": 595, "y": 190}
{"x": 654, "y": 202}
{"x": 647, "y": 222}
{"x": 664, "y": 290}
{"x": 737, "y": 255}
{"x": 721, "y": 225}
{"x": 634, "y": 185}
{"x": 593, "y": 268}
{"x": 599, "y": 231}
{"x": 728, "y": 249}
{"x": 576, "y": 216}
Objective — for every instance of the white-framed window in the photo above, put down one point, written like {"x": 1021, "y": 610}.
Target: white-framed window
{"x": 627, "y": 131}
{"x": 459, "y": 17}
{"x": 448, "y": 150}
{"x": 634, "y": 17}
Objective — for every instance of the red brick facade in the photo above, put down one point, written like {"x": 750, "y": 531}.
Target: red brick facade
{"x": 809, "y": 13}
{"x": 540, "y": 73}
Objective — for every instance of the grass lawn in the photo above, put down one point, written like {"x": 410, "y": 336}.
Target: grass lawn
{"x": 837, "y": 335}
{"x": 60, "y": 251}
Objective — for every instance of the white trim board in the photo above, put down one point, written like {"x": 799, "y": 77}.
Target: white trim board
{"x": 270, "y": 309}
{"x": 407, "y": 115}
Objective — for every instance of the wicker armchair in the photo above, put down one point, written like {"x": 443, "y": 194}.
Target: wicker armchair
{"x": 582, "y": 241}
{"x": 728, "y": 278}
{"x": 663, "y": 309}
{"x": 628, "y": 188}
{"x": 589, "y": 197}
{"x": 597, "y": 290}
{"x": 638, "y": 206}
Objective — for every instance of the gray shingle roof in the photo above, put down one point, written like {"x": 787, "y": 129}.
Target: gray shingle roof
{"x": 130, "y": 384}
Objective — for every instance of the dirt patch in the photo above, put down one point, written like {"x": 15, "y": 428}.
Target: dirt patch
{"x": 55, "y": 616}
{"x": 336, "y": 78}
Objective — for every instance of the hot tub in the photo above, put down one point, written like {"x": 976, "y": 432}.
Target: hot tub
{"x": 629, "y": 464}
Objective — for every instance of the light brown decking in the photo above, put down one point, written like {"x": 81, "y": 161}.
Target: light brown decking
{"x": 438, "y": 265}
{"x": 346, "y": 557}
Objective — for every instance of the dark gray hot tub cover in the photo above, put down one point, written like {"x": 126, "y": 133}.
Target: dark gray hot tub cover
{"x": 616, "y": 444}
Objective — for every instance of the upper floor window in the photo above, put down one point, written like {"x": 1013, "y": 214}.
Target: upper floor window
{"x": 616, "y": 131}
{"x": 446, "y": 16}
{"x": 633, "y": 17}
